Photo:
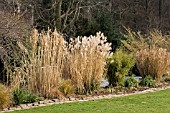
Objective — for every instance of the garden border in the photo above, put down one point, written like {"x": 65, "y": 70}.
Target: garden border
{"x": 70, "y": 100}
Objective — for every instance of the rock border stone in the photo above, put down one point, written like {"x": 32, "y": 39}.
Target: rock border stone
{"x": 73, "y": 99}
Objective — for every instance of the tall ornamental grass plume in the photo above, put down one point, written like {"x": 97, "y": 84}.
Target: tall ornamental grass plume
{"x": 85, "y": 61}
{"x": 153, "y": 62}
{"x": 43, "y": 63}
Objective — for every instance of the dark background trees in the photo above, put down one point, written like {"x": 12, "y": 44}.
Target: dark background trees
{"x": 86, "y": 17}
{"x": 81, "y": 17}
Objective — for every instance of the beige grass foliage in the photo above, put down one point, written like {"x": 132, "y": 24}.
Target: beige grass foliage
{"x": 151, "y": 50}
{"x": 137, "y": 41}
{"x": 46, "y": 63}
{"x": 49, "y": 59}
{"x": 5, "y": 98}
{"x": 42, "y": 65}
{"x": 153, "y": 62}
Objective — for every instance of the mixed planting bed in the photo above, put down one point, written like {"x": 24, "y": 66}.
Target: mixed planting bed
{"x": 48, "y": 70}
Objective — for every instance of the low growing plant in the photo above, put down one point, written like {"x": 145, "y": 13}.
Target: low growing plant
{"x": 67, "y": 87}
{"x": 131, "y": 82}
{"x": 148, "y": 81}
{"x": 166, "y": 79}
{"x": 21, "y": 96}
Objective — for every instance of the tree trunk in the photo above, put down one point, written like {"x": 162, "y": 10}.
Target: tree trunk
{"x": 160, "y": 11}
{"x": 58, "y": 15}
{"x": 146, "y": 14}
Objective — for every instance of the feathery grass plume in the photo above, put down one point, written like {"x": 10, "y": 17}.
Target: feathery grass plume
{"x": 136, "y": 41}
{"x": 153, "y": 62}
{"x": 85, "y": 61}
{"x": 157, "y": 39}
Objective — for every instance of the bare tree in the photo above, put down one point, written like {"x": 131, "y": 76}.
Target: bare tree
{"x": 13, "y": 16}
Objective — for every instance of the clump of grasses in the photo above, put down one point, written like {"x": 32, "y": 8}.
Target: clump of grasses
{"x": 85, "y": 61}
{"x": 49, "y": 59}
{"x": 42, "y": 65}
{"x": 152, "y": 52}
{"x": 153, "y": 62}
{"x": 67, "y": 87}
{"x": 21, "y": 96}
{"x": 46, "y": 63}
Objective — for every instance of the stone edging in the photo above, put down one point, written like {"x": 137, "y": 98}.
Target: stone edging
{"x": 70, "y": 100}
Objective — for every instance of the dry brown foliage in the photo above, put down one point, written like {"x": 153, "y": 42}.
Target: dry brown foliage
{"x": 42, "y": 64}
{"x": 152, "y": 52}
{"x": 4, "y": 97}
{"x": 153, "y": 62}
{"x": 46, "y": 63}
{"x": 136, "y": 41}
{"x": 49, "y": 59}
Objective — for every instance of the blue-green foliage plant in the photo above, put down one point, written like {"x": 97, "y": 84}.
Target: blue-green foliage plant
{"x": 131, "y": 82}
{"x": 118, "y": 67}
{"x": 148, "y": 81}
{"x": 21, "y": 96}
{"x": 166, "y": 79}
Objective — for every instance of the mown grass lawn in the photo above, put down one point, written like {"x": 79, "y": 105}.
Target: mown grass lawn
{"x": 157, "y": 102}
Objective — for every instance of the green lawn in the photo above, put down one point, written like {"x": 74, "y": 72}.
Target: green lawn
{"x": 157, "y": 102}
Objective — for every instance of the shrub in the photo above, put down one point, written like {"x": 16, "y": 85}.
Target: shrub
{"x": 4, "y": 96}
{"x": 118, "y": 67}
{"x": 21, "y": 96}
{"x": 67, "y": 87}
{"x": 131, "y": 82}
{"x": 85, "y": 61}
{"x": 148, "y": 81}
{"x": 10, "y": 56}
{"x": 153, "y": 62}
